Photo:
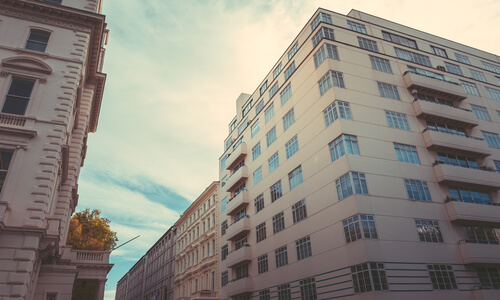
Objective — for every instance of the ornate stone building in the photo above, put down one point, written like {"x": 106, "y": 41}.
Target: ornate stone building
{"x": 51, "y": 87}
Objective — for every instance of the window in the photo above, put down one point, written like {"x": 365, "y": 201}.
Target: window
{"x": 242, "y": 127}
{"x": 413, "y": 57}
{"x": 391, "y": 37}
{"x": 369, "y": 277}
{"x": 323, "y": 33}
{"x": 262, "y": 265}
{"x": 18, "y": 96}
{"x": 352, "y": 228}
{"x": 321, "y": 17}
{"x": 452, "y": 68}
{"x": 229, "y": 143}
{"x": 439, "y": 51}
{"x": 324, "y": 52}
{"x": 233, "y": 125}
{"x": 274, "y": 89}
{"x": 271, "y": 136}
{"x": 277, "y": 71}
{"x": 288, "y": 119}
{"x": 294, "y": 50}
{"x": 445, "y": 128}
{"x": 269, "y": 112}
{"x": 481, "y": 112}
{"x": 292, "y": 147}
{"x": 259, "y": 107}
{"x": 308, "y": 289}
{"x": 247, "y": 108}
{"x": 491, "y": 67}
{"x": 492, "y": 139}
{"x": 259, "y": 203}
{"x": 223, "y": 162}
{"x": 356, "y": 27}
{"x": 295, "y": 177}
{"x": 428, "y": 231}
{"x": 442, "y": 277}
{"x": 278, "y": 222}
{"x": 51, "y": 296}
{"x": 224, "y": 250}
{"x": 223, "y": 204}
{"x": 242, "y": 242}
{"x": 470, "y": 88}
{"x": 462, "y": 58}
{"x": 263, "y": 88}
{"x": 406, "y": 153}
{"x": 482, "y": 235}
{"x": 388, "y": 90}
{"x": 331, "y": 113}
{"x": 380, "y": 64}
{"x": 494, "y": 94}
{"x": 497, "y": 165}
{"x": 434, "y": 99}
{"x": 458, "y": 161}
{"x": 274, "y": 162}
{"x": 284, "y": 292}
{"x": 325, "y": 83}
{"x": 256, "y": 151}
{"x": 367, "y": 44}
{"x": 5, "y": 158}
{"x": 224, "y": 278}
{"x": 281, "y": 257}
{"x": 38, "y": 40}
{"x": 264, "y": 295}
{"x": 257, "y": 176}
{"x": 299, "y": 211}
{"x": 260, "y": 231}
{"x": 238, "y": 142}
{"x": 344, "y": 144}
{"x": 417, "y": 190}
{"x": 489, "y": 277}
{"x": 255, "y": 128}
{"x": 303, "y": 248}
{"x": 397, "y": 120}
{"x": 276, "y": 191}
{"x": 290, "y": 70}
{"x": 346, "y": 182}
{"x": 477, "y": 75}
{"x": 286, "y": 94}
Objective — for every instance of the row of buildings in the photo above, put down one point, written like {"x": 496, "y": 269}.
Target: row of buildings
{"x": 366, "y": 165}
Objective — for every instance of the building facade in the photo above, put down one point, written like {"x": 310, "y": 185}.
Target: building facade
{"x": 152, "y": 277}
{"x": 197, "y": 265}
{"x": 364, "y": 166}
{"x": 51, "y": 86}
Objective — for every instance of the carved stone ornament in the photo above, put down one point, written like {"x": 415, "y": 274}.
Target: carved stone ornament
{"x": 4, "y": 73}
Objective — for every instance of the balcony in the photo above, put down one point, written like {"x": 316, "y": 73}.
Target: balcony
{"x": 238, "y": 227}
{"x": 238, "y": 256}
{"x": 466, "y": 176}
{"x": 441, "y": 113}
{"x": 441, "y": 88}
{"x": 235, "y": 157}
{"x": 238, "y": 177}
{"x": 237, "y": 201}
{"x": 469, "y": 146}
{"x": 17, "y": 125}
{"x": 466, "y": 212}
{"x": 240, "y": 286}
{"x": 479, "y": 253}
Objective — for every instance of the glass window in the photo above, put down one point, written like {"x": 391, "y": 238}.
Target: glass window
{"x": 323, "y": 33}
{"x": 344, "y": 144}
{"x": 276, "y": 191}
{"x": 356, "y": 27}
{"x": 359, "y": 226}
{"x": 397, "y": 120}
{"x": 271, "y": 136}
{"x": 380, "y": 64}
{"x": 324, "y": 52}
{"x": 263, "y": 88}
{"x": 286, "y": 94}
{"x": 288, "y": 119}
{"x": 274, "y": 89}
{"x": 259, "y": 203}
{"x": 477, "y": 75}
{"x": 492, "y": 139}
{"x": 38, "y": 40}
{"x": 452, "y": 68}
{"x": 369, "y": 277}
{"x": 481, "y": 112}
{"x": 255, "y": 128}
{"x": 294, "y": 50}
{"x": 489, "y": 277}
{"x": 391, "y": 37}
{"x": 442, "y": 277}
{"x": 367, "y": 44}
{"x": 5, "y": 158}
{"x": 470, "y": 88}
{"x": 299, "y": 211}
{"x": 303, "y": 248}
{"x": 325, "y": 83}
{"x": 351, "y": 183}
{"x": 336, "y": 109}
{"x": 274, "y": 162}
{"x": 321, "y": 17}
{"x": 278, "y": 222}
{"x": 462, "y": 58}
{"x": 284, "y": 292}
{"x": 413, "y": 57}
{"x": 256, "y": 151}
{"x": 295, "y": 177}
{"x": 290, "y": 70}
{"x": 308, "y": 289}
{"x": 429, "y": 231}
{"x": 257, "y": 176}
{"x": 388, "y": 90}
{"x": 259, "y": 107}
{"x": 262, "y": 267}
{"x": 18, "y": 96}
{"x": 406, "y": 153}
{"x": 439, "y": 51}
{"x": 291, "y": 147}
{"x": 223, "y": 204}
{"x": 491, "y": 67}
{"x": 260, "y": 232}
{"x": 247, "y": 108}
{"x": 269, "y": 113}
{"x": 494, "y": 94}
{"x": 281, "y": 257}
{"x": 277, "y": 71}
{"x": 243, "y": 126}
{"x": 417, "y": 190}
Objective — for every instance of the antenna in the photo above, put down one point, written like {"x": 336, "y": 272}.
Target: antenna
{"x": 125, "y": 243}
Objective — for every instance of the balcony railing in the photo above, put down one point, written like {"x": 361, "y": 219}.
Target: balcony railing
{"x": 451, "y": 199}
{"x": 435, "y": 85}
{"x": 444, "y": 113}
{"x": 431, "y": 75}
{"x": 483, "y": 177}
{"x": 479, "y": 253}
{"x": 87, "y": 256}
{"x": 238, "y": 200}
{"x": 455, "y": 143}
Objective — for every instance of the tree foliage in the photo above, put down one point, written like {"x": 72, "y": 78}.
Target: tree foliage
{"x": 89, "y": 231}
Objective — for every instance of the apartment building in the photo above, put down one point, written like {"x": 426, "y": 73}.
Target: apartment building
{"x": 364, "y": 166}
{"x": 197, "y": 243}
{"x": 152, "y": 277}
{"x": 51, "y": 87}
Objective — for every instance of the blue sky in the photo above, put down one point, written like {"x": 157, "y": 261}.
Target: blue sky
{"x": 175, "y": 69}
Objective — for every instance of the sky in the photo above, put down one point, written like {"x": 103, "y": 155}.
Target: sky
{"x": 174, "y": 70}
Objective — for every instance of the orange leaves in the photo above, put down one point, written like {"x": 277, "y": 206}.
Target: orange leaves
{"x": 89, "y": 231}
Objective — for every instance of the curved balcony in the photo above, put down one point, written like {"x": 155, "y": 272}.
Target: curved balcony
{"x": 469, "y": 146}
{"x": 237, "y": 178}
{"x": 479, "y": 253}
{"x": 466, "y": 176}
{"x": 239, "y": 255}
{"x": 236, "y": 156}
{"x": 237, "y": 228}
{"x": 240, "y": 286}
{"x": 237, "y": 201}
{"x": 437, "y": 112}
{"x": 424, "y": 84}
{"x": 465, "y": 212}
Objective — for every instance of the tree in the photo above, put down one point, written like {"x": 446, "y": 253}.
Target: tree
{"x": 89, "y": 231}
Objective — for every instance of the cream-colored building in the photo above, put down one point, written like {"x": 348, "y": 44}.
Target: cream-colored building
{"x": 364, "y": 166}
{"x": 51, "y": 87}
{"x": 197, "y": 264}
